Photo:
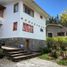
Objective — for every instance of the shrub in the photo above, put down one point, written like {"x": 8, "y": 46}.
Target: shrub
{"x": 62, "y": 62}
{"x": 55, "y": 53}
{"x": 44, "y": 50}
{"x": 64, "y": 55}
{"x": 56, "y": 45}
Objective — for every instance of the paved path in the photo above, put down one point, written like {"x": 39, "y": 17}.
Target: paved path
{"x": 34, "y": 62}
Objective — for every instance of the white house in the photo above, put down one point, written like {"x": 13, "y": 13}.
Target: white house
{"x": 22, "y": 22}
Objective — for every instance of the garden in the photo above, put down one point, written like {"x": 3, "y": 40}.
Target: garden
{"x": 56, "y": 50}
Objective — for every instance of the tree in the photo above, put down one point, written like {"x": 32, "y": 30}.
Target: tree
{"x": 53, "y": 20}
{"x": 63, "y": 19}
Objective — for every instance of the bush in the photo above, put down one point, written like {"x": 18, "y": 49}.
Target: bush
{"x": 62, "y": 62}
{"x": 56, "y": 45}
{"x": 54, "y": 54}
{"x": 64, "y": 55}
{"x": 44, "y": 50}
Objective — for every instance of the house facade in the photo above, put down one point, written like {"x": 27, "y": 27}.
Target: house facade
{"x": 54, "y": 30}
{"x": 22, "y": 22}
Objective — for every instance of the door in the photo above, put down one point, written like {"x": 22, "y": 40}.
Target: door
{"x": 27, "y": 44}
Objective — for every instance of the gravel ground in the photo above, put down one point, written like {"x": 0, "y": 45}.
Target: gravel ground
{"x": 34, "y": 62}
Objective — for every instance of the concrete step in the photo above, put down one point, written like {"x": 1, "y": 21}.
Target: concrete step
{"x": 9, "y": 48}
{"x": 16, "y": 54}
{"x": 25, "y": 56}
{"x": 19, "y": 54}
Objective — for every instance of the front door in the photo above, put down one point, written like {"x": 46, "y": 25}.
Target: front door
{"x": 27, "y": 44}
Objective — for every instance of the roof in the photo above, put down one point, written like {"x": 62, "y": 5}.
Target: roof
{"x": 56, "y": 25}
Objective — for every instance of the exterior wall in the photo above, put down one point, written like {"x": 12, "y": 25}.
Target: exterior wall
{"x": 54, "y": 30}
{"x": 34, "y": 21}
{"x": 10, "y": 17}
{"x": 14, "y": 38}
{"x": 34, "y": 44}
{"x": 37, "y": 34}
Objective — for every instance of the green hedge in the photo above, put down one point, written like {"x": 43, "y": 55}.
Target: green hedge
{"x": 56, "y": 46}
{"x": 57, "y": 43}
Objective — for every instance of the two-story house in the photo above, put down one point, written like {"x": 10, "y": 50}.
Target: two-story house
{"x": 22, "y": 22}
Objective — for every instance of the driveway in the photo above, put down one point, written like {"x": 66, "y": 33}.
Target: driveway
{"x": 34, "y": 62}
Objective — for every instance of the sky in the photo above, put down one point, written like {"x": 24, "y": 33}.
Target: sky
{"x": 53, "y": 7}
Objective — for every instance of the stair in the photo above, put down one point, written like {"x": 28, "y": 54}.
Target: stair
{"x": 16, "y": 54}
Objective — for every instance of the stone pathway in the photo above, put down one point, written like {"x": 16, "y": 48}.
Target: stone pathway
{"x": 34, "y": 62}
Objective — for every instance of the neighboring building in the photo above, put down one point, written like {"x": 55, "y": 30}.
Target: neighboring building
{"x": 22, "y": 22}
{"x": 54, "y": 30}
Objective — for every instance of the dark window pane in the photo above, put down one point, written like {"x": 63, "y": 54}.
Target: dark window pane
{"x": 60, "y": 34}
{"x": 16, "y": 7}
{"x": 41, "y": 17}
{"x": 14, "y": 26}
{"x": 28, "y": 10}
{"x": 41, "y": 29}
{"x": 49, "y": 34}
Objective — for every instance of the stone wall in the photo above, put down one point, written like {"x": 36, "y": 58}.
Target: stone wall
{"x": 34, "y": 45}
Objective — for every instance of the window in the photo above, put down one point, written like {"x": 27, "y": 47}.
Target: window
{"x": 1, "y": 13}
{"x": 27, "y": 28}
{"x": 14, "y": 26}
{"x": 60, "y": 34}
{"x": 41, "y": 17}
{"x": 49, "y": 34}
{"x": 66, "y": 33}
{"x": 16, "y": 7}
{"x": 41, "y": 29}
{"x": 28, "y": 10}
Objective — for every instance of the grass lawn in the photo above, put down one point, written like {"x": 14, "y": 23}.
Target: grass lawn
{"x": 45, "y": 57}
{"x": 62, "y": 62}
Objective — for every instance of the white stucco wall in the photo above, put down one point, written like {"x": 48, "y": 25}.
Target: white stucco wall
{"x": 10, "y": 17}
